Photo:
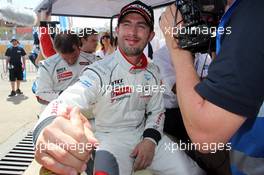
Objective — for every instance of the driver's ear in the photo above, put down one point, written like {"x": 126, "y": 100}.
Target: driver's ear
{"x": 151, "y": 36}
{"x": 117, "y": 30}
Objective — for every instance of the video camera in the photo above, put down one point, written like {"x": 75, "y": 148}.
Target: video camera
{"x": 200, "y": 17}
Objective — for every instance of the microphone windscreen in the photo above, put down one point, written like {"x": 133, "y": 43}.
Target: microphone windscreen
{"x": 20, "y": 16}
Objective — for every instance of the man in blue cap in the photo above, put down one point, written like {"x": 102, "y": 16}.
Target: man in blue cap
{"x": 15, "y": 65}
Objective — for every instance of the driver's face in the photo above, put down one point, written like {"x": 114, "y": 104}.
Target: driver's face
{"x": 133, "y": 34}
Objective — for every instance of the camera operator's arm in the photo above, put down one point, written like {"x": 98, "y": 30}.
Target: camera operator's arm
{"x": 201, "y": 118}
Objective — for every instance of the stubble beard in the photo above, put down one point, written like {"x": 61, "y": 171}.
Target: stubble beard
{"x": 132, "y": 51}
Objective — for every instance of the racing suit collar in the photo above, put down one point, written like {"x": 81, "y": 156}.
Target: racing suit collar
{"x": 130, "y": 66}
{"x": 89, "y": 55}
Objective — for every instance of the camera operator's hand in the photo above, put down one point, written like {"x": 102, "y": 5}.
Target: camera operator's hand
{"x": 168, "y": 25}
{"x": 62, "y": 146}
{"x": 170, "y": 29}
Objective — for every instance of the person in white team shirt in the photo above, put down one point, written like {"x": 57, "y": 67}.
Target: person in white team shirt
{"x": 64, "y": 63}
{"x": 129, "y": 122}
{"x": 173, "y": 124}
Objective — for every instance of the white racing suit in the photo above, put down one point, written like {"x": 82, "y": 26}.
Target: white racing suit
{"x": 122, "y": 94}
{"x": 55, "y": 75}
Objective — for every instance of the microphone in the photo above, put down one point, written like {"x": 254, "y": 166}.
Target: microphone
{"x": 20, "y": 16}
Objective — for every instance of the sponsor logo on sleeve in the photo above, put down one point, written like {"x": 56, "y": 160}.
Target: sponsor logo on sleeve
{"x": 86, "y": 83}
{"x": 147, "y": 77}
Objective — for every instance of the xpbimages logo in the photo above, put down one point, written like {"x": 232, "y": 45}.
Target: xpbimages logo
{"x": 81, "y": 32}
{"x": 146, "y": 89}
{"x": 79, "y": 147}
{"x": 202, "y": 30}
{"x": 189, "y": 146}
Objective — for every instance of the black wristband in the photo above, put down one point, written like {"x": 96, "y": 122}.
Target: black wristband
{"x": 152, "y": 133}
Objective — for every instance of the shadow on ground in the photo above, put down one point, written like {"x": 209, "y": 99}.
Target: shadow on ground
{"x": 17, "y": 99}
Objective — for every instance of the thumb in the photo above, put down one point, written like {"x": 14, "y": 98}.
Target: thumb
{"x": 88, "y": 131}
{"x": 69, "y": 109}
{"x": 85, "y": 121}
{"x": 76, "y": 118}
{"x": 134, "y": 152}
{"x": 66, "y": 113}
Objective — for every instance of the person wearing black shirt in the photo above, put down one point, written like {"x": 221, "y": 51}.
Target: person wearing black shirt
{"x": 15, "y": 65}
{"x": 226, "y": 106}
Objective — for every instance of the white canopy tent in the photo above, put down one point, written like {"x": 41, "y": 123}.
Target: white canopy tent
{"x": 92, "y": 8}
{"x": 107, "y": 9}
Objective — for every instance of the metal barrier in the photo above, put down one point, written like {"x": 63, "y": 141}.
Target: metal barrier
{"x": 19, "y": 158}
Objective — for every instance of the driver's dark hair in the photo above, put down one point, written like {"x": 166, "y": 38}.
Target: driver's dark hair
{"x": 65, "y": 41}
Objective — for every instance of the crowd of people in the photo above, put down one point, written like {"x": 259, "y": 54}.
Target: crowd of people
{"x": 134, "y": 113}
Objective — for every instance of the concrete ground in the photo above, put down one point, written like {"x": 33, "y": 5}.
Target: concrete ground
{"x": 18, "y": 113}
